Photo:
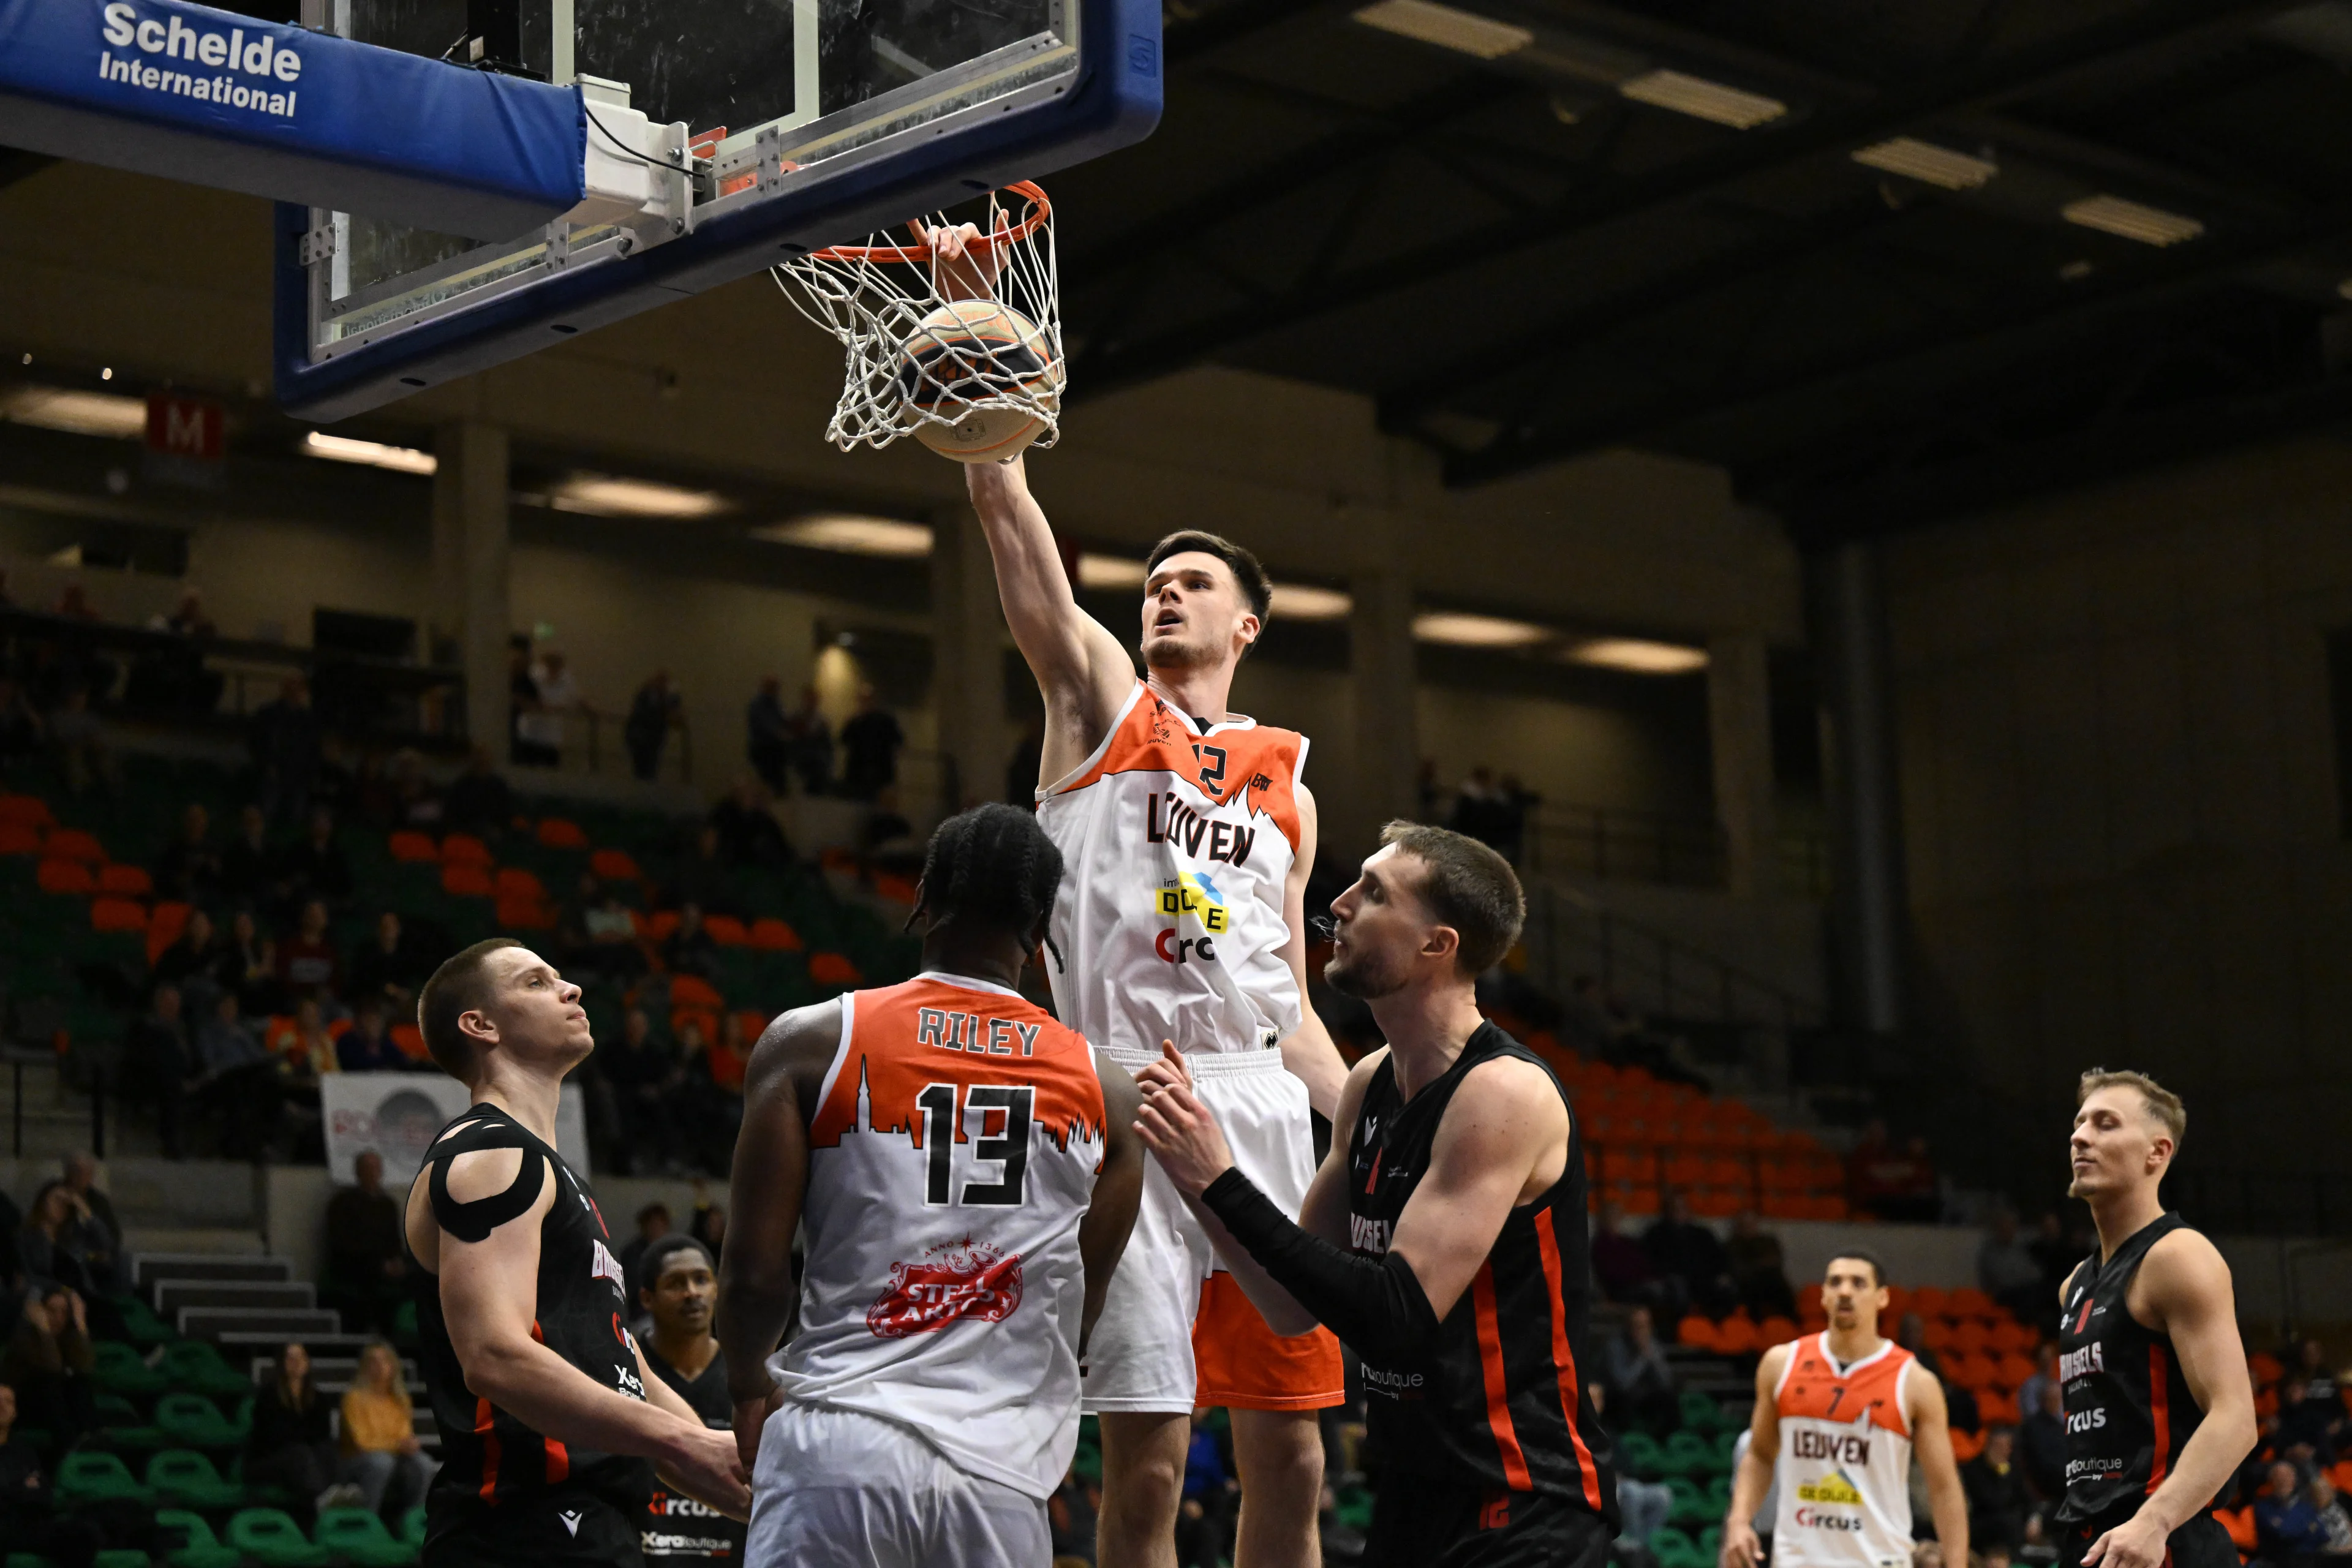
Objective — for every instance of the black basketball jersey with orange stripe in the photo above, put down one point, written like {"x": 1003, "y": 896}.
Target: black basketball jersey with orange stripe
{"x": 493, "y": 1464}
{"x": 2128, "y": 1409}
{"x": 1502, "y": 1403}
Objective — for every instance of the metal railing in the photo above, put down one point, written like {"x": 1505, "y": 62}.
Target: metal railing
{"x": 1570, "y": 935}
{"x": 1629, "y": 844}
{"x": 604, "y": 730}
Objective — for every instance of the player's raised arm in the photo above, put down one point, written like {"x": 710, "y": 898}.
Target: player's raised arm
{"x": 1753, "y": 1478}
{"x": 1082, "y": 670}
{"x": 1119, "y": 1191}
{"x": 489, "y": 1290}
{"x": 757, "y": 1294}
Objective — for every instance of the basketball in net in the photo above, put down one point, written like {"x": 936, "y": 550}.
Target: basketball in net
{"x": 962, "y": 352}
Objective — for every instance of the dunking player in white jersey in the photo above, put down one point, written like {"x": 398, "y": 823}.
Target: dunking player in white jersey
{"x": 968, "y": 1172}
{"x": 1188, "y": 839}
{"x": 1840, "y": 1415}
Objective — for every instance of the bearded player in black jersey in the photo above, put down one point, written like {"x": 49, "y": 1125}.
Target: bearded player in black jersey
{"x": 1444, "y": 1240}
{"x": 2159, "y": 1410}
{"x": 552, "y": 1428}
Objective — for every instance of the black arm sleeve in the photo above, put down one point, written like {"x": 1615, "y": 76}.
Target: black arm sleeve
{"x": 1377, "y": 1307}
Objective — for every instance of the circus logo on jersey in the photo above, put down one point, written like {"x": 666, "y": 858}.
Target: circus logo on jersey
{"x": 953, "y": 1281}
{"x": 1835, "y": 1486}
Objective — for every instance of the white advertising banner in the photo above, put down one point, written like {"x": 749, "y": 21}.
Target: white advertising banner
{"x": 397, "y": 1114}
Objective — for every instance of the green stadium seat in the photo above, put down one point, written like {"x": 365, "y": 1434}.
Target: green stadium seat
{"x": 1701, "y": 1411}
{"x": 89, "y": 1476}
{"x": 1711, "y": 1543}
{"x": 1688, "y": 1453}
{"x": 1643, "y": 1455}
{"x": 1725, "y": 1442}
{"x": 187, "y": 1477}
{"x": 355, "y": 1536}
{"x": 119, "y": 1557}
{"x": 28, "y": 1560}
{"x": 412, "y": 1525}
{"x": 271, "y": 1538}
{"x": 200, "y": 1548}
{"x": 119, "y": 1370}
{"x": 1690, "y": 1511}
{"x": 141, "y": 1324}
{"x": 195, "y": 1422}
{"x": 1674, "y": 1549}
{"x": 196, "y": 1366}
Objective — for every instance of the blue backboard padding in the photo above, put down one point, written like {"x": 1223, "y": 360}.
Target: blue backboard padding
{"x": 214, "y": 98}
{"x": 1115, "y": 103}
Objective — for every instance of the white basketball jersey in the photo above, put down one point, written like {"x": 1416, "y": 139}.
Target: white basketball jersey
{"x": 1177, "y": 844}
{"x": 952, "y": 1154}
{"x": 1844, "y": 1470}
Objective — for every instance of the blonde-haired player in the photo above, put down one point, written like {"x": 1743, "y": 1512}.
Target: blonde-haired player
{"x": 1840, "y": 1415}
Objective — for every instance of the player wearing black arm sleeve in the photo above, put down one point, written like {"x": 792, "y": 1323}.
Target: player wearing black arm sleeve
{"x": 1444, "y": 1240}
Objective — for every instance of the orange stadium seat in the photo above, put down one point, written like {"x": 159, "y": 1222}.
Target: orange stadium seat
{"x": 411, "y": 846}
{"x": 19, "y": 839}
{"x": 691, "y": 991}
{"x": 1999, "y": 1410}
{"x": 1938, "y": 1335}
{"x": 1928, "y": 1301}
{"x": 1685, "y": 1170}
{"x": 30, "y": 810}
{"x": 468, "y": 881}
{"x": 1717, "y": 1202}
{"x": 1967, "y": 1301}
{"x": 770, "y": 934}
{"x": 1975, "y": 1373}
{"x": 614, "y": 865}
{"x": 1621, "y": 1163}
{"x": 410, "y": 1040}
{"x": 1777, "y": 1330}
{"x": 832, "y": 969}
{"x": 702, "y": 1019}
{"x": 1970, "y": 1336}
{"x": 726, "y": 931}
{"x": 125, "y": 881}
{"x": 464, "y": 849}
{"x": 897, "y": 889}
{"x": 2239, "y": 1523}
{"x": 521, "y": 913}
{"x": 657, "y": 926}
{"x": 514, "y": 882}
{"x": 2264, "y": 1369}
{"x": 558, "y": 833}
{"x": 117, "y": 914}
{"x": 163, "y": 927}
{"x": 2341, "y": 1475}
{"x": 1724, "y": 1171}
{"x": 1737, "y": 1334}
{"x": 64, "y": 877}
{"x": 1782, "y": 1206}
{"x": 73, "y": 844}
{"x": 1698, "y": 1331}
{"x": 2012, "y": 1371}
{"x": 1967, "y": 1446}
{"x": 1639, "y": 1199}
{"x": 753, "y": 1023}
{"x": 2009, "y": 1337}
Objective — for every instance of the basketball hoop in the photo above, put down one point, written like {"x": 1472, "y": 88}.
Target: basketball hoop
{"x": 964, "y": 356}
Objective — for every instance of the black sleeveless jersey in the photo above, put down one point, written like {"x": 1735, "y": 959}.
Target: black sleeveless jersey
{"x": 2128, "y": 1409}
{"x": 490, "y": 1459}
{"x": 1502, "y": 1403}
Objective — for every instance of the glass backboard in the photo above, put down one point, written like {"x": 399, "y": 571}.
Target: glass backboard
{"x": 797, "y": 123}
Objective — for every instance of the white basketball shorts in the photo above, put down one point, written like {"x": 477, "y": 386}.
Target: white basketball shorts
{"x": 838, "y": 1488}
{"x": 1139, "y": 1357}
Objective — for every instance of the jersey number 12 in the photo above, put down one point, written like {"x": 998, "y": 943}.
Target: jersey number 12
{"x": 1008, "y": 1150}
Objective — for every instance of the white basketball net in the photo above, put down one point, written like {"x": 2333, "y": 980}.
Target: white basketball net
{"x": 883, "y": 302}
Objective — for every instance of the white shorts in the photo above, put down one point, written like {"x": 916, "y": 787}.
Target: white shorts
{"x": 1139, "y": 1357}
{"x": 838, "y": 1488}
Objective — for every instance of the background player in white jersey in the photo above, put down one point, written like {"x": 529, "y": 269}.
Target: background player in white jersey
{"x": 1840, "y": 1415}
{"x": 1189, "y": 841}
{"x": 968, "y": 1173}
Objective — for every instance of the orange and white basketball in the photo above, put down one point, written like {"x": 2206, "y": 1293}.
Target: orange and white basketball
{"x": 964, "y": 357}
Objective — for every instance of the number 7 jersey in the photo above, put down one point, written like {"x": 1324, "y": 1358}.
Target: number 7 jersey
{"x": 952, "y": 1152}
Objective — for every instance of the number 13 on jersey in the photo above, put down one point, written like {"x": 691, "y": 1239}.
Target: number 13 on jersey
{"x": 998, "y": 1160}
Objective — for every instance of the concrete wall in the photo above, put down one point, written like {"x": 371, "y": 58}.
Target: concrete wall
{"x": 2120, "y": 793}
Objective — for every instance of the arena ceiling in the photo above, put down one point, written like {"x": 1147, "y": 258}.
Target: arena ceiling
{"x": 1884, "y": 259}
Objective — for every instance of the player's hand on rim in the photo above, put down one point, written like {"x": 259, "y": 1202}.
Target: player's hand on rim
{"x": 1177, "y": 1129}
{"x": 963, "y": 265}
{"x": 2138, "y": 1543}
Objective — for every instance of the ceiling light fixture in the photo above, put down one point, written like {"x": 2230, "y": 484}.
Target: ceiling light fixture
{"x": 1702, "y": 99}
{"x": 1462, "y": 630}
{"x": 375, "y": 454}
{"x": 2149, "y": 226}
{"x": 77, "y": 413}
{"x": 1297, "y": 602}
{"x": 1637, "y": 656}
{"x": 603, "y": 496}
{"x": 1929, "y": 163}
{"x": 852, "y": 535}
{"x": 1465, "y": 31}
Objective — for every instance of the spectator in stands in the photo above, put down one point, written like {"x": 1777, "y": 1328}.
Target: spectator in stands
{"x": 812, "y": 745}
{"x": 479, "y": 800}
{"x": 2334, "y": 1524}
{"x": 98, "y": 1231}
{"x": 190, "y": 867}
{"x": 522, "y": 701}
{"x": 708, "y": 1225}
{"x": 1760, "y": 1274}
{"x": 247, "y": 869}
{"x": 2288, "y": 1525}
{"x": 315, "y": 866}
{"x": 869, "y": 748}
{"x": 1689, "y": 1261}
{"x": 308, "y": 965}
{"x": 2041, "y": 1442}
{"x": 412, "y": 801}
{"x": 731, "y": 1057}
{"x": 1995, "y": 1484}
{"x": 641, "y": 1071}
{"x": 260, "y": 992}
{"x": 381, "y": 1455}
{"x": 1640, "y": 1382}
{"x": 46, "y": 1242}
{"x": 653, "y": 1223}
{"x": 199, "y": 962}
{"x": 293, "y": 1444}
{"x": 654, "y": 712}
{"x": 2045, "y": 1371}
{"x": 1643, "y": 1507}
{"x": 2311, "y": 1405}
{"x": 1618, "y": 1264}
{"x": 1894, "y": 1183}
{"x": 367, "y": 1264}
{"x": 29, "y": 1520}
{"x": 303, "y": 1046}
{"x": 2007, "y": 1270}
{"x": 1208, "y": 1492}
{"x": 48, "y": 1363}
{"x": 1477, "y": 807}
{"x": 768, "y": 734}
{"x": 703, "y": 876}
{"x": 599, "y": 934}
{"x": 384, "y": 969}
{"x": 237, "y": 1082}
{"x": 159, "y": 1065}
{"x": 364, "y": 1046}
{"x": 539, "y": 728}
{"x": 748, "y": 831}
{"x": 81, "y": 745}
{"x": 689, "y": 949}
{"x": 288, "y": 748}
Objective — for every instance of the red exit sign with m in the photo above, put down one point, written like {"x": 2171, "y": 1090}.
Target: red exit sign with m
{"x": 184, "y": 426}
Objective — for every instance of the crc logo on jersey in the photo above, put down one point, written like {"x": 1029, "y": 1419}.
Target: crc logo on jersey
{"x": 2077, "y": 1363}
{"x": 1836, "y": 1486}
{"x": 955, "y": 1281}
{"x": 1839, "y": 1448}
